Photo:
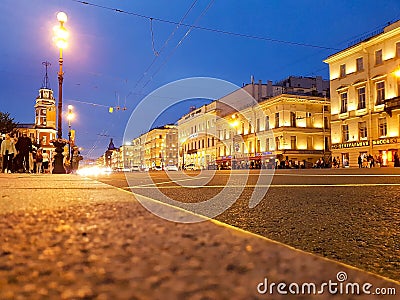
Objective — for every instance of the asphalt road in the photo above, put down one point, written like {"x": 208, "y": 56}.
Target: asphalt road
{"x": 349, "y": 215}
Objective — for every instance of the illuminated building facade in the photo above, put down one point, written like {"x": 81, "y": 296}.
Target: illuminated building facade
{"x": 365, "y": 102}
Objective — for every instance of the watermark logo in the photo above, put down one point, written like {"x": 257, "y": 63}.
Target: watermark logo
{"x": 195, "y": 130}
{"x": 339, "y": 286}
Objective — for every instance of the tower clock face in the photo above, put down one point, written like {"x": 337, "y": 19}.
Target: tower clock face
{"x": 45, "y": 94}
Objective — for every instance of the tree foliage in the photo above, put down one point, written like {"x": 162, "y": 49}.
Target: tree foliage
{"x": 7, "y": 123}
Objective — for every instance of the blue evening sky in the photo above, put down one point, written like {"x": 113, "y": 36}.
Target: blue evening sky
{"x": 108, "y": 61}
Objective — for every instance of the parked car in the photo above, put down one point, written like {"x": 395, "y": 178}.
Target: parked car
{"x": 135, "y": 169}
{"x": 157, "y": 168}
{"x": 171, "y": 168}
{"x": 191, "y": 167}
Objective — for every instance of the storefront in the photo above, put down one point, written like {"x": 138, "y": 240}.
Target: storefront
{"x": 384, "y": 152}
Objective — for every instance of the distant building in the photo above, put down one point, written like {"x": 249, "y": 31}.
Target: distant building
{"x": 43, "y": 130}
{"x": 365, "y": 98}
{"x": 257, "y": 123}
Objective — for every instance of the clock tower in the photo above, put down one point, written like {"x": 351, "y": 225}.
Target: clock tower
{"x": 45, "y": 112}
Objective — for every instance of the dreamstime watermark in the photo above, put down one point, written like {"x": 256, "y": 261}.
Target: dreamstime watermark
{"x": 214, "y": 125}
{"x": 338, "y": 286}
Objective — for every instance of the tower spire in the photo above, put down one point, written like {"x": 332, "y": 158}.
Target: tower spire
{"x": 46, "y": 82}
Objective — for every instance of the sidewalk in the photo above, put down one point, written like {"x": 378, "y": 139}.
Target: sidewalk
{"x": 68, "y": 237}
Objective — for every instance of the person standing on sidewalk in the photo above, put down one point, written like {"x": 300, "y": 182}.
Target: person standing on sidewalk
{"x": 39, "y": 160}
{"x": 7, "y": 152}
{"x": 24, "y": 147}
{"x": 76, "y": 157}
{"x": 45, "y": 161}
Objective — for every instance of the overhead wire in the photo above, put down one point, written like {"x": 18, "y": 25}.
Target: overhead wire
{"x": 238, "y": 34}
{"x": 180, "y": 42}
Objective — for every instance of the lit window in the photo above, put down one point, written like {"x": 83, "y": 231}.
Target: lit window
{"x": 345, "y": 133}
{"x": 361, "y": 97}
{"x": 360, "y": 64}
{"x": 267, "y": 123}
{"x": 342, "y": 70}
{"x": 380, "y": 92}
{"x": 362, "y": 128}
{"x": 292, "y": 119}
{"x": 343, "y": 103}
{"x": 276, "y": 120}
{"x": 293, "y": 142}
{"x": 378, "y": 57}
{"x": 382, "y": 126}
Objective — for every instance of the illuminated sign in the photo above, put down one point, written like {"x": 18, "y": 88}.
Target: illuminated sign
{"x": 350, "y": 145}
{"x": 384, "y": 141}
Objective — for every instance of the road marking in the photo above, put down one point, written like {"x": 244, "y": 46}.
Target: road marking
{"x": 171, "y": 181}
{"x": 265, "y": 186}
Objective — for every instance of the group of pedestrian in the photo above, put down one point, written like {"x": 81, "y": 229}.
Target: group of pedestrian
{"x": 368, "y": 161}
{"x": 336, "y": 162}
{"x": 20, "y": 155}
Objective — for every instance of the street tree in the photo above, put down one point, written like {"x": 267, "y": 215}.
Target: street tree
{"x": 7, "y": 123}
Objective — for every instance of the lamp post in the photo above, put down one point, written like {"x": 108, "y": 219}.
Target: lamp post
{"x": 60, "y": 38}
{"x": 233, "y": 124}
{"x": 70, "y": 117}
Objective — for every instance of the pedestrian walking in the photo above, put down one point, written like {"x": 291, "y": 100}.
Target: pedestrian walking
{"x": 8, "y": 151}
{"x": 360, "y": 161}
{"x": 24, "y": 147}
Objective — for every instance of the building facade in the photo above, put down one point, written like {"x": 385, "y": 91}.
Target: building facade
{"x": 283, "y": 131}
{"x": 365, "y": 102}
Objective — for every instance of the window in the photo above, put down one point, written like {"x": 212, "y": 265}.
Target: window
{"x": 267, "y": 145}
{"x": 309, "y": 142}
{"x": 326, "y": 122}
{"x": 292, "y": 119}
{"x": 380, "y": 92}
{"x": 382, "y": 126}
{"x": 342, "y": 70}
{"x": 345, "y": 133}
{"x": 267, "y": 123}
{"x": 360, "y": 64}
{"x": 276, "y": 120}
{"x": 277, "y": 145}
{"x": 378, "y": 57}
{"x": 293, "y": 142}
{"x": 258, "y": 146}
{"x": 398, "y": 49}
{"x": 362, "y": 130}
{"x": 361, "y": 97}
{"x": 343, "y": 103}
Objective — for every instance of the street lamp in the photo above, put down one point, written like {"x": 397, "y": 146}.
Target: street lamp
{"x": 60, "y": 38}
{"x": 70, "y": 117}
{"x": 234, "y": 125}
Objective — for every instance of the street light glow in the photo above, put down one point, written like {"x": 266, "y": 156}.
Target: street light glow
{"x": 61, "y": 35}
{"x": 62, "y": 17}
{"x": 397, "y": 73}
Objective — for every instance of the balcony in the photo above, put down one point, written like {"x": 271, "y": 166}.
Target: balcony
{"x": 392, "y": 104}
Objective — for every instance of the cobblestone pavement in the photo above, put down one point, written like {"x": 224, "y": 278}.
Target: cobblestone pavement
{"x": 63, "y": 237}
{"x": 357, "y": 224}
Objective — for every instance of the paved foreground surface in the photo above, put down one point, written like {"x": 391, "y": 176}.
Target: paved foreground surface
{"x": 64, "y": 237}
{"x": 348, "y": 215}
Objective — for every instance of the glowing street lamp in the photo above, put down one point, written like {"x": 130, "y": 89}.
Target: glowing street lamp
{"x": 234, "y": 124}
{"x": 60, "y": 38}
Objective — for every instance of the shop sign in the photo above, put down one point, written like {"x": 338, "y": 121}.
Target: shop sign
{"x": 350, "y": 145}
{"x": 384, "y": 141}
